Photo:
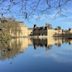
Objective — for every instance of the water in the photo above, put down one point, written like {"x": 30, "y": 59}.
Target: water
{"x": 36, "y": 55}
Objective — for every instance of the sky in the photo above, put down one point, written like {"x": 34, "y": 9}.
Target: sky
{"x": 40, "y": 19}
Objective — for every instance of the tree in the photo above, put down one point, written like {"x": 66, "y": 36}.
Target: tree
{"x": 69, "y": 30}
{"x": 29, "y": 8}
{"x": 49, "y": 26}
{"x": 8, "y": 27}
{"x": 59, "y": 28}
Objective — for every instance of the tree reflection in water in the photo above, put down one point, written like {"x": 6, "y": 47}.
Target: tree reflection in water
{"x": 9, "y": 49}
{"x": 14, "y": 47}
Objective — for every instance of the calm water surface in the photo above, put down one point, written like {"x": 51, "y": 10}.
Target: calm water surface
{"x": 36, "y": 55}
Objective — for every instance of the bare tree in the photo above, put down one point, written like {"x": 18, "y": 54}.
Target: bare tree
{"x": 29, "y": 8}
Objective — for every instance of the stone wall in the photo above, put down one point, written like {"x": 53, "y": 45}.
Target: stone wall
{"x": 24, "y": 32}
{"x": 51, "y": 32}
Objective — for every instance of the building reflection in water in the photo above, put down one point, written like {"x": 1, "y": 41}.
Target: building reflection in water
{"x": 16, "y": 46}
{"x": 49, "y": 42}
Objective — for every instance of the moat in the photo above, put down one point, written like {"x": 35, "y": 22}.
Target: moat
{"x": 36, "y": 55}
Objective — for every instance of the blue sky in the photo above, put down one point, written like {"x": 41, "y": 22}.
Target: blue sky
{"x": 64, "y": 20}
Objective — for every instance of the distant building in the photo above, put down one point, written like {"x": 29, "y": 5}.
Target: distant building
{"x": 39, "y": 31}
{"x": 47, "y": 30}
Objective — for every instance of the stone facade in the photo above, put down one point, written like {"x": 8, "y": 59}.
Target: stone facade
{"x": 24, "y": 31}
{"x": 38, "y": 31}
